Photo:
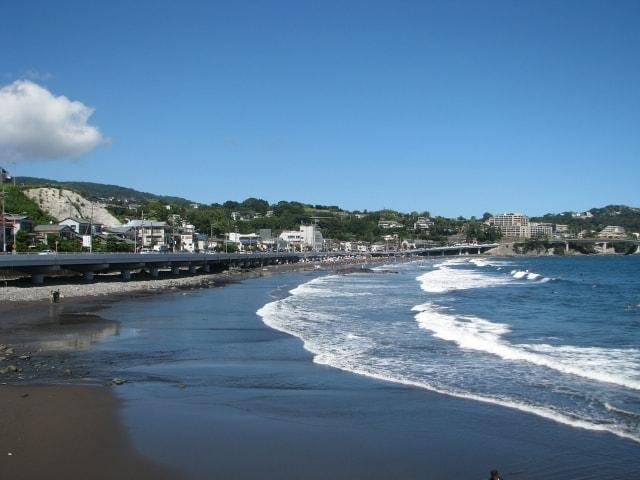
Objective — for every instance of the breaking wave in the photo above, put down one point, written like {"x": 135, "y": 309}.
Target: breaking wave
{"x": 347, "y": 342}
{"x": 611, "y": 365}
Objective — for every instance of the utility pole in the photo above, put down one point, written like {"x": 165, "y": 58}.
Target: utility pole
{"x": 3, "y": 177}
{"x": 4, "y": 225}
{"x": 91, "y": 230}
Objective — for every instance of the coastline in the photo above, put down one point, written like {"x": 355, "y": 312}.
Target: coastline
{"x": 111, "y": 285}
{"x": 268, "y": 411}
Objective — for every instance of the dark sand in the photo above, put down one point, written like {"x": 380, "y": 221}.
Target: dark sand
{"x": 67, "y": 432}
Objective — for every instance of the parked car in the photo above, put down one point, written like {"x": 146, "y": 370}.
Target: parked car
{"x": 46, "y": 252}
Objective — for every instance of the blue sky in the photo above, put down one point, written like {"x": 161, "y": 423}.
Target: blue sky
{"x": 453, "y": 107}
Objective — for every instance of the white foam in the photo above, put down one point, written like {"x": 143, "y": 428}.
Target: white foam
{"x": 445, "y": 279}
{"x": 526, "y": 274}
{"x": 616, "y": 366}
{"x": 351, "y": 350}
{"x": 479, "y": 263}
{"x": 320, "y": 287}
{"x": 283, "y": 316}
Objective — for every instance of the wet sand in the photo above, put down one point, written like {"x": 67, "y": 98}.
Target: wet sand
{"x": 67, "y": 432}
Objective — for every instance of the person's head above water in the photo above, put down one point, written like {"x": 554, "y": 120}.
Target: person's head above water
{"x": 494, "y": 475}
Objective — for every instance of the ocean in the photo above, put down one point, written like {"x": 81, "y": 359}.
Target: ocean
{"x": 554, "y": 337}
{"x": 442, "y": 368}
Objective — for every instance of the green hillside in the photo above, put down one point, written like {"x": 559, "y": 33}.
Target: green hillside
{"x": 621, "y": 215}
{"x": 93, "y": 190}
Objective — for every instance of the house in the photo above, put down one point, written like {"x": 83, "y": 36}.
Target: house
{"x": 149, "y": 233}
{"x": 12, "y": 225}
{"x": 423, "y": 223}
{"x": 82, "y": 226}
{"x": 41, "y": 232}
{"x": 122, "y": 233}
{"x": 388, "y": 224}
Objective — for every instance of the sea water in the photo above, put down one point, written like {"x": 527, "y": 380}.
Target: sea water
{"x": 557, "y": 337}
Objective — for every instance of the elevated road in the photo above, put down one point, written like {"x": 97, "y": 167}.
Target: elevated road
{"x": 89, "y": 264}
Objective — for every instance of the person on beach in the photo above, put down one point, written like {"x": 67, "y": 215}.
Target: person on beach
{"x": 495, "y": 475}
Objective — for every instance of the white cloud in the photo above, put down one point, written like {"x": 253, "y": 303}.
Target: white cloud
{"x": 36, "y": 125}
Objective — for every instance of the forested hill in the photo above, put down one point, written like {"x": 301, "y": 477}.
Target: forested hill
{"x": 254, "y": 213}
{"x": 621, "y": 215}
{"x": 101, "y": 190}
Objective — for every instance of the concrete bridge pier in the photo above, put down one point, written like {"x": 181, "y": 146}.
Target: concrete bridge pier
{"x": 566, "y": 247}
{"x": 88, "y": 276}
{"x": 37, "y": 278}
{"x": 206, "y": 268}
{"x": 154, "y": 272}
{"x": 175, "y": 270}
{"x": 459, "y": 251}
{"x": 193, "y": 269}
{"x": 125, "y": 274}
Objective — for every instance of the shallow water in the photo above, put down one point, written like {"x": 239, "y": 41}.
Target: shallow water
{"x": 556, "y": 337}
{"x": 213, "y": 391}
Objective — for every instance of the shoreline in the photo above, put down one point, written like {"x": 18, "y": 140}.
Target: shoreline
{"x": 112, "y": 285}
{"x": 270, "y": 405}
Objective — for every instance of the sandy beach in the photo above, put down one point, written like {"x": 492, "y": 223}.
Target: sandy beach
{"x": 56, "y": 431}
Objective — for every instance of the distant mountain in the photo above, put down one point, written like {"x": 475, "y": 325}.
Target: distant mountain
{"x": 94, "y": 191}
{"x": 621, "y": 215}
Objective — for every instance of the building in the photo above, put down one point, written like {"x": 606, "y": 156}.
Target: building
{"x": 12, "y": 225}
{"x": 121, "y": 233}
{"x": 512, "y": 225}
{"x": 423, "y": 223}
{"x": 291, "y": 240}
{"x": 82, "y": 226}
{"x": 244, "y": 241}
{"x": 149, "y": 233}
{"x": 41, "y": 232}
{"x": 388, "y": 224}
{"x": 541, "y": 229}
{"x": 613, "y": 232}
{"x": 311, "y": 237}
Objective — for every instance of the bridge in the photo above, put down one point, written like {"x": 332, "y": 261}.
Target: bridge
{"x": 90, "y": 264}
{"x": 603, "y": 243}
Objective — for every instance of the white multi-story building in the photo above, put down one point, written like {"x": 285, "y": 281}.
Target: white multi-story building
{"x": 244, "y": 240}
{"x": 290, "y": 240}
{"x": 423, "y": 223}
{"x": 309, "y": 236}
{"x": 613, "y": 231}
{"x": 541, "y": 229}
{"x": 512, "y": 225}
{"x": 149, "y": 233}
{"x": 312, "y": 237}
